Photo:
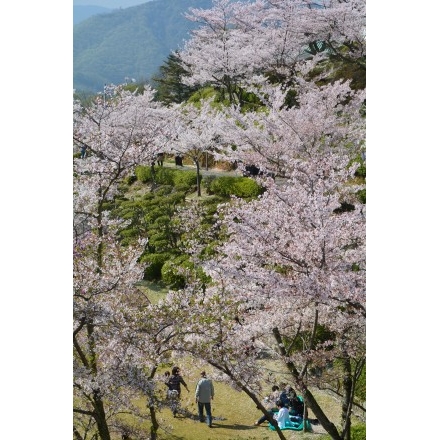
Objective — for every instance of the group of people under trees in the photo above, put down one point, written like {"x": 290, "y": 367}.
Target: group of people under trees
{"x": 285, "y": 406}
{"x": 204, "y": 393}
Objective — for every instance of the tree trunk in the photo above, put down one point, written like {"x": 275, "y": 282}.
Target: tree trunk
{"x": 99, "y": 415}
{"x": 254, "y": 398}
{"x": 199, "y": 193}
{"x": 154, "y": 424}
{"x": 309, "y": 400}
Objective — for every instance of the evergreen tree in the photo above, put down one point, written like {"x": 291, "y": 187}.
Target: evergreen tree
{"x": 168, "y": 82}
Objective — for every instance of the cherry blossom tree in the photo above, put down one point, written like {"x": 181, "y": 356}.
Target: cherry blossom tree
{"x": 194, "y": 132}
{"x": 238, "y": 40}
{"x": 294, "y": 262}
{"x": 289, "y": 281}
{"x": 119, "y": 338}
{"x": 289, "y": 278}
{"x": 273, "y": 138}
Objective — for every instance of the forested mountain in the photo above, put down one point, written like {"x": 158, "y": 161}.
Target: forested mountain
{"x": 82, "y": 12}
{"x": 129, "y": 43}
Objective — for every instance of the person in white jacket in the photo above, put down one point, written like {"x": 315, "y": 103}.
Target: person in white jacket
{"x": 204, "y": 395}
{"x": 282, "y": 416}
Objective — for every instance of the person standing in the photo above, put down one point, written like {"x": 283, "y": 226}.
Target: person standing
{"x": 174, "y": 388}
{"x": 204, "y": 396}
{"x": 160, "y": 157}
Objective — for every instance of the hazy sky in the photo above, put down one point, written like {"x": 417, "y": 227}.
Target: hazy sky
{"x": 113, "y": 4}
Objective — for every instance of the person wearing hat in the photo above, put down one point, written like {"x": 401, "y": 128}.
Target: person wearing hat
{"x": 204, "y": 395}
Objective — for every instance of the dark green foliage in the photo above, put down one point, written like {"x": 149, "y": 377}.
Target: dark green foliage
{"x": 168, "y": 82}
{"x": 155, "y": 263}
{"x": 322, "y": 335}
{"x": 361, "y": 171}
{"x": 362, "y": 196}
{"x": 129, "y": 180}
{"x": 345, "y": 207}
{"x": 227, "y": 186}
{"x": 177, "y": 271}
{"x": 173, "y": 271}
{"x": 221, "y": 186}
{"x": 164, "y": 176}
{"x": 182, "y": 180}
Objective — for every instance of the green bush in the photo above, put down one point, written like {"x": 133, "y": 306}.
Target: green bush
{"x": 206, "y": 183}
{"x": 362, "y": 196}
{"x": 185, "y": 179}
{"x": 143, "y": 174}
{"x": 176, "y": 271}
{"x": 238, "y": 186}
{"x": 164, "y": 176}
{"x": 361, "y": 171}
{"x": 129, "y": 180}
{"x": 247, "y": 188}
{"x": 155, "y": 263}
{"x": 171, "y": 272}
{"x": 222, "y": 186}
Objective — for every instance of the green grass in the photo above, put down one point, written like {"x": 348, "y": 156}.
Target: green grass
{"x": 234, "y": 413}
{"x": 154, "y": 291}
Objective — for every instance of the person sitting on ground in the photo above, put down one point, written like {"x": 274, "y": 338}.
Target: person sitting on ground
{"x": 269, "y": 403}
{"x": 296, "y": 405}
{"x": 284, "y": 397}
{"x": 282, "y": 417}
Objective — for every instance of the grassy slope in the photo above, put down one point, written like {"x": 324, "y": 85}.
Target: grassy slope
{"x": 233, "y": 411}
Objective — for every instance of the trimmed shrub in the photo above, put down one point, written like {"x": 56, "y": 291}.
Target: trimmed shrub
{"x": 155, "y": 263}
{"x": 164, "y": 176}
{"x": 222, "y": 186}
{"x": 247, "y": 188}
{"x": 144, "y": 174}
{"x": 227, "y": 186}
{"x": 172, "y": 272}
{"x": 185, "y": 179}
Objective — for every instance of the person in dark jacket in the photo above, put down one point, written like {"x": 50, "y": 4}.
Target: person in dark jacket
{"x": 174, "y": 388}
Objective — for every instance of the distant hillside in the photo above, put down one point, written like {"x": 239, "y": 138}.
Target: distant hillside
{"x": 110, "y": 4}
{"x": 129, "y": 43}
{"x": 82, "y": 12}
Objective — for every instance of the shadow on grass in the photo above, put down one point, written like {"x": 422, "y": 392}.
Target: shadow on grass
{"x": 233, "y": 427}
